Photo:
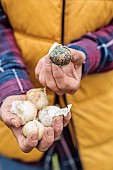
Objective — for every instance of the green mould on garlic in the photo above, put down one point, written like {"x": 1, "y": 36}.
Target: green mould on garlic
{"x": 59, "y": 54}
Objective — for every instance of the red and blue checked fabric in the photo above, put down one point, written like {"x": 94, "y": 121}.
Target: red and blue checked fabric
{"x": 14, "y": 79}
{"x": 13, "y": 73}
{"x": 98, "y": 47}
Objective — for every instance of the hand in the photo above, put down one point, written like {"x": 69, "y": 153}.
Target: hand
{"x": 27, "y": 144}
{"x": 61, "y": 79}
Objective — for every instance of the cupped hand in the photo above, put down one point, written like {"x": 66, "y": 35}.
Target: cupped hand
{"x": 27, "y": 144}
{"x": 64, "y": 79}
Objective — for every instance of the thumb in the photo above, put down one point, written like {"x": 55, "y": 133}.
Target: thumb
{"x": 78, "y": 57}
{"x": 47, "y": 61}
{"x": 10, "y": 119}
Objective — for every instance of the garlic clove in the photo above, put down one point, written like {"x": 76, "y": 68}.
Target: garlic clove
{"x": 25, "y": 110}
{"x": 59, "y": 54}
{"x": 38, "y": 97}
{"x": 45, "y": 118}
{"x": 46, "y": 115}
{"x": 33, "y": 126}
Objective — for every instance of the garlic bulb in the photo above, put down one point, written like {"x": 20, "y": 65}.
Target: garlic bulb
{"x": 25, "y": 110}
{"x": 33, "y": 126}
{"x": 46, "y": 115}
{"x": 59, "y": 54}
{"x": 38, "y": 97}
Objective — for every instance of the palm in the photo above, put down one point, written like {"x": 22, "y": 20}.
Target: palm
{"x": 64, "y": 79}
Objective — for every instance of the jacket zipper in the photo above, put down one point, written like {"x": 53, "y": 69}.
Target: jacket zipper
{"x": 63, "y": 21}
{"x": 56, "y": 100}
{"x": 64, "y": 96}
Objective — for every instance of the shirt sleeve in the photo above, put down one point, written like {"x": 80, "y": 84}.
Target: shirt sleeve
{"x": 13, "y": 73}
{"x": 98, "y": 47}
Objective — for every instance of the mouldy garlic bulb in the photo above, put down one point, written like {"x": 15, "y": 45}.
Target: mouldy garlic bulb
{"x": 33, "y": 126}
{"x": 46, "y": 115}
{"x": 25, "y": 110}
{"x": 59, "y": 54}
{"x": 38, "y": 97}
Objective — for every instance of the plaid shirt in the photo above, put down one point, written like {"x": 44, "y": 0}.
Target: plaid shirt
{"x": 13, "y": 73}
{"x": 98, "y": 47}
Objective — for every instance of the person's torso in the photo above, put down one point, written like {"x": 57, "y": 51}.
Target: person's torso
{"x": 37, "y": 25}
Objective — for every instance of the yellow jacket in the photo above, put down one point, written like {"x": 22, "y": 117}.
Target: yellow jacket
{"x": 37, "y": 25}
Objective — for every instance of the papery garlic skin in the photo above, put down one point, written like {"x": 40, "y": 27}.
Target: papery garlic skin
{"x": 55, "y": 44}
{"x": 38, "y": 97}
{"x": 64, "y": 111}
{"x": 25, "y": 110}
{"x": 46, "y": 115}
{"x": 33, "y": 126}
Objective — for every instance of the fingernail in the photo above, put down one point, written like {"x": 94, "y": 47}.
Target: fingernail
{"x": 34, "y": 136}
{"x": 68, "y": 115}
{"x": 58, "y": 121}
{"x": 13, "y": 122}
{"x": 50, "y": 132}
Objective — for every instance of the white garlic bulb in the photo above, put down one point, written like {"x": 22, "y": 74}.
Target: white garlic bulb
{"x": 33, "y": 126}
{"x": 25, "y": 110}
{"x": 38, "y": 97}
{"x": 46, "y": 115}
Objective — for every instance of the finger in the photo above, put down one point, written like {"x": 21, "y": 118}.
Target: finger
{"x": 38, "y": 67}
{"x": 50, "y": 81}
{"x": 66, "y": 119}
{"x": 64, "y": 83}
{"x": 47, "y": 139}
{"x": 49, "y": 77}
{"x": 78, "y": 73}
{"x": 11, "y": 120}
{"x": 57, "y": 126}
{"x": 42, "y": 76}
{"x": 25, "y": 144}
{"x": 10, "y": 99}
{"x": 69, "y": 70}
{"x": 78, "y": 57}
{"x": 59, "y": 77}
